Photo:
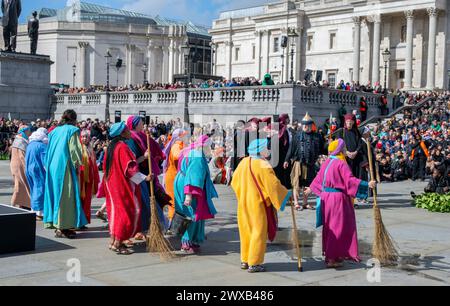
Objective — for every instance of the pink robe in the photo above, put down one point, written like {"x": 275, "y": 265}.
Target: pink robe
{"x": 339, "y": 236}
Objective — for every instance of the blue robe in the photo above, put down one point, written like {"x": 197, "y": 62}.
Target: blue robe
{"x": 61, "y": 170}
{"x": 145, "y": 195}
{"x": 35, "y": 172}
{"x": 194, "y": 172}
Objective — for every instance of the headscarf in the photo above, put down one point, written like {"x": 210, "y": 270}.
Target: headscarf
{"x": 176, "y": 135}
{"x": 139, "y": 137}
{"x": 336, "y": 149}
{"x": 41, "y": 134}
{"x": 257, "y": 146}
{"x": 117, "y": 129}
{"x": 282, "y": 128}
{"x": 22, "y": 129}
{"x": 201, "y": 142}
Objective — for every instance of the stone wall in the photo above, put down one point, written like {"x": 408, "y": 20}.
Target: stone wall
{"x": 24, "y": 86}
{"x": 227, "y": 105}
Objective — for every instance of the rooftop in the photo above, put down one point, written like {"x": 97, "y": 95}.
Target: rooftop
{"x": 79, "y": 11}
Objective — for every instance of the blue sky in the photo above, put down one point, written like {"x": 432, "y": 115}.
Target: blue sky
{"x": 201, "y": 12}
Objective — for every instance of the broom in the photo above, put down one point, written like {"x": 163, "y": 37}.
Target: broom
{"x": 383, "y": 247}
{"x": 156, "y": 242}
{"x": 296, "y": 240}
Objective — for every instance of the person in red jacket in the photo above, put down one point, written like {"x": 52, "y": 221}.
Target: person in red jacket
{"x": 363, "y": 109}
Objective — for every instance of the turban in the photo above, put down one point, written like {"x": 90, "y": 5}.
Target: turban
{"x": 336, "y": 148}
{"x": 117, "y": 129}
{"x": 257, "y": 146}
{"x": 40, "y": 135}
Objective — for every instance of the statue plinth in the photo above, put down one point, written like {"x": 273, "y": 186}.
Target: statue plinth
{"x": 24, "y": 85}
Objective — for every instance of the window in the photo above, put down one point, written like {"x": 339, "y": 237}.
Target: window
{"x": 309, "y": 42}
{"x": 276, "y": 45}
{"x": 332, "y": 41}
{"x": 401, "y": 74}
{"x": 403, "y": 34}
{"x": 332, "y": 79}
{"x": 236, "y": 54}
{"x": 254, "y": 52}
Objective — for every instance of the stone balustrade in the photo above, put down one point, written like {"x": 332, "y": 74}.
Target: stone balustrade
{"x": 224, "y": 104}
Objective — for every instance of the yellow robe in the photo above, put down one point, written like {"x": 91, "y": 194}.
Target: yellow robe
{"x": 252, "y": 219}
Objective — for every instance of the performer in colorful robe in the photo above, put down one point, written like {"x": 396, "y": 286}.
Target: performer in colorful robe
{"x": 138, "y": 145}
{"x": 335, "y": 185}
{"x": 170, "y": 165}
{"x": 89, "y": 176}
{"x": 21, "y": 195}
{"x": 194, "y": 192}
{"x": 259, "y": 194}
{"x": 63, "y": 209}
{"x": 122, "y": 185}
{"x": 35, "y": 170}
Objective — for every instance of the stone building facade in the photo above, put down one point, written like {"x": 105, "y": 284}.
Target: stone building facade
{"x": 344, "y": 39}
{"x": 79, "y": 36}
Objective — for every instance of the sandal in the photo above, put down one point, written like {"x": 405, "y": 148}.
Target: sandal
{"x": 256, "y": 269}
{"x": 308, "y": 206}
{"x": 298, "y": 207}
{"x": 99, "y": 214}
{"x": 139, "y": 237}
{"x": 244, "y": 266}
{"x": 122, "y": 250}
{"x": 65, "y": 234}
{"x": 128, "y": 244}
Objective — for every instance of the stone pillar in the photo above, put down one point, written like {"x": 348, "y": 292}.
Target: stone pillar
{"x": 376, "y": 49}
{"x": 229, "y": 51}
{"x": 82, "y": 68}
{"x": 267, "y": 52}
{"x": 130, "y": 65}
{"x": 151, "y": 62}
{"x": 165, "y": 65}
{"x": 409, "y": 48}
{"x": 258, "y": 54}
{"x": 431, "y": 65}
{"x": 356, "y": 48}
{"x": 171, "y": 60}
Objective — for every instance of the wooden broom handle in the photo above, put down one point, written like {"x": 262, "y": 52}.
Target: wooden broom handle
{"x": 296, "y": 240}
{"x": 372, "y": 173}
{"x": 152, "y": 191}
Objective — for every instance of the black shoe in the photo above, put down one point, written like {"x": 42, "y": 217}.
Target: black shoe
{"x": 256, "y": 269}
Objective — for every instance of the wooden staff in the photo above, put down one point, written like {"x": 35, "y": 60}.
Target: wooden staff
{"x": 296, "y": 240}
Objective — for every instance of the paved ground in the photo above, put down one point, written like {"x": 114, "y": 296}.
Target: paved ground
{"x": 422, "y": 238}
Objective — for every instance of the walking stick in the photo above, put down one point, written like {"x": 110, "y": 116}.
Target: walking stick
{"x": 383, "y": 247}
{"x": 156, "y": 242}
{"x": 296, "y": 240}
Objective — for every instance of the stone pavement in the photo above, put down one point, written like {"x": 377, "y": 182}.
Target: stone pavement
{"x": 422, "y": 237}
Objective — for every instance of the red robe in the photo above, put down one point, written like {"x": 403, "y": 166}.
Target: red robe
{"x": 89, "y": 179}
{"x": 122, "y": 195}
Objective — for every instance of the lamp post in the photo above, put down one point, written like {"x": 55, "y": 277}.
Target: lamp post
{"x": 145, "y": 70}
{"x": 386, "y": 57}
{"x": 74, "y": 74}
{"x": 186, "y": 51}
{"x": 292, "y": 35}
{"x": 108, "y": 57}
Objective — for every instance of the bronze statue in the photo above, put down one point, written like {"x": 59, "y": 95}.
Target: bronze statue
{"x": 33, "y": 32}
{"x": 11, "y": 10}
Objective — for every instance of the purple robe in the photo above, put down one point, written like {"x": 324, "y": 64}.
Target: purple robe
{"x": 339, "y": 236}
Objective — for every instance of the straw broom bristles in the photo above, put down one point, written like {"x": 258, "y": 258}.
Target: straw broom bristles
{"x": 383, "y": 247}
{"x": 156, "y": 242}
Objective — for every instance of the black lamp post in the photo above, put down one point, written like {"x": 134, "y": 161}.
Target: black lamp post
{"x": 186, "y": 51}
{"x": 292, "y": 35}
{"x": 145, "y": 70}
{"x": 108, "y": 57}
{"x": 386, "y": 57}
{"x": 74, "y": 69}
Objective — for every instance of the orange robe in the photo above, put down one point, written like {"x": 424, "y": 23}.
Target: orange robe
{"x": 171, "y": 173}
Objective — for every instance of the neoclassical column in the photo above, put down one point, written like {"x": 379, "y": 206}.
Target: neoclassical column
{"x": 258, "y": 35}
{"x": 82, "y": 66}
{"x": 376, "y": 49}
{"x": 151, "y": 62}
{"x": 130, "y": 64}
{"x": 431, "y": 65}
{"x": 409, "y": 14}
{"x": 165, "y": 67}
{"x": 171, "y": 59}
{"x": 267, "y": 51}
{"x": 356, "y": 48}
{"x": 229, "y": 47}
